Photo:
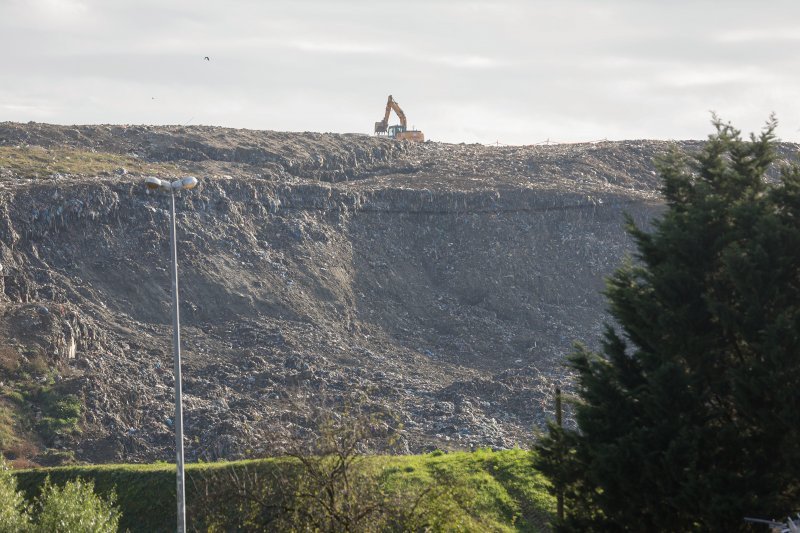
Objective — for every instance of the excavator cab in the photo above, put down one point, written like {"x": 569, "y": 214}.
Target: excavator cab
{"x": 398, "y": 131}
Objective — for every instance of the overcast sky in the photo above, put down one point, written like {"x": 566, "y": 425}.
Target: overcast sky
{"x": 517, "y": 72}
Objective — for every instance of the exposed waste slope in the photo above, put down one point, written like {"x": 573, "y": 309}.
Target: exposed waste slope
{"x": 440, "y": 283}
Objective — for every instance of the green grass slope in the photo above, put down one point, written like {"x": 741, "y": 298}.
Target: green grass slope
{"x": 479, "y": 491}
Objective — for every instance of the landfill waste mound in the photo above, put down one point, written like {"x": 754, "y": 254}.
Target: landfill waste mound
{"x": 439, "y": 284}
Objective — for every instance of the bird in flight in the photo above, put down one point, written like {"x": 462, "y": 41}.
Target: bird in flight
{"x": 207, "y": 58}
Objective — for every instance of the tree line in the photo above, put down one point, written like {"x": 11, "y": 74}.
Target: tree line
{"x": 688, "y": 417}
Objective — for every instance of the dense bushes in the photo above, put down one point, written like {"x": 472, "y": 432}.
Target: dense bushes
{"x": 73, "y": 508}
{"x": 13, "y": 509}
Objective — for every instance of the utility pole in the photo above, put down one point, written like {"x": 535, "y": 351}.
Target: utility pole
{"x": 186, "y": 183}
{"x": 559, "y": 488}
{"x": 176, "y": 352}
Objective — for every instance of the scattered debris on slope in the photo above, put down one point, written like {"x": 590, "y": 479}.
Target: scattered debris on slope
{"x": 441, "y": 283}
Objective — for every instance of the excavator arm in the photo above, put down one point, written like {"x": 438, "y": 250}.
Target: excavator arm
{"x": 380, "y": 127}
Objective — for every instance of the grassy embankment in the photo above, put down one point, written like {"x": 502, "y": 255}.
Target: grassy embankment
{"x": 35, "y": 408}
{"x": 36, "y": 162}
{"x": 486, "y": 491}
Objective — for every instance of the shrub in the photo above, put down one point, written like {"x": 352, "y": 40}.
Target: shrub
{"x": 13, "y": 509}
{"x": 60, "y": 414}
{"x": 75, "y": 508}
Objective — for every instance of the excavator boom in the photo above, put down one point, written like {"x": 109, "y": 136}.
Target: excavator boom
{"x": 394, "y": 105}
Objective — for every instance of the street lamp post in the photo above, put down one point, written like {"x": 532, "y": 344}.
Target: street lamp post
{"x": 184, "y": 183}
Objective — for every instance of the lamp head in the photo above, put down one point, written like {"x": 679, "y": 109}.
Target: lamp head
{"x": 155, "y": 183}
{"x": 189, "y": 182}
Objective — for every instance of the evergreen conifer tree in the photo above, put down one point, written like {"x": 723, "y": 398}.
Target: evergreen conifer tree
{"x": 689, "y": 418}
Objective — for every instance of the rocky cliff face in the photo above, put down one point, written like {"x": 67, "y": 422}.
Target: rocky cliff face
{"x": 440, "y": 283}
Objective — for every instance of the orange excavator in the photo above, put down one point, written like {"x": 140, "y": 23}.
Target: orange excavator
{"x": 400, "y": 131}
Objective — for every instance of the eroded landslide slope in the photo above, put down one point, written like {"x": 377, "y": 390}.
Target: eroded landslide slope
{"x": 443, "y": 283}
